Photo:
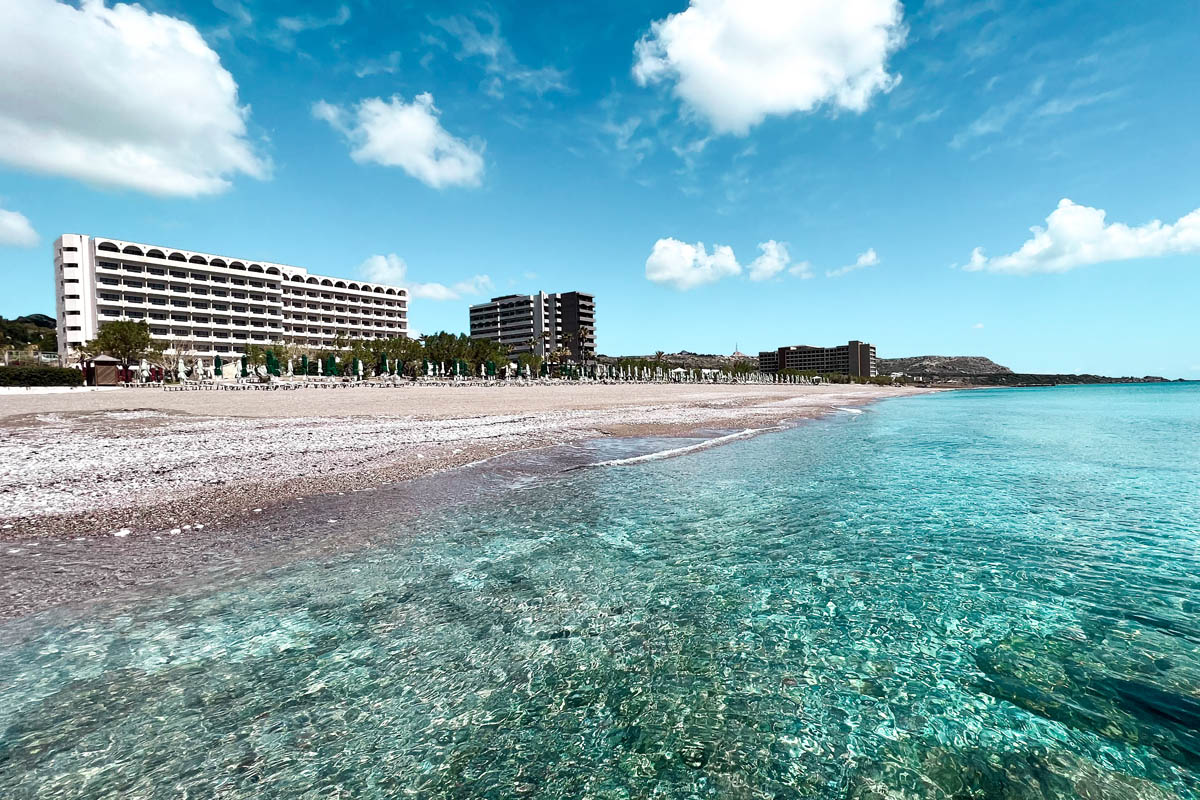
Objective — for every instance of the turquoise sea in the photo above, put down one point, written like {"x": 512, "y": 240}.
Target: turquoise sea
{"x": 984, "y": 594}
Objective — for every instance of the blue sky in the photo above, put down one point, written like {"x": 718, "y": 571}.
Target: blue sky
{"x": 839, "y": 161}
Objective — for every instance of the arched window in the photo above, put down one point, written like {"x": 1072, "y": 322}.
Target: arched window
{"x": 390, "y": 291}
{"x": 133, "y": 251}
{"x": 197, "y": 260}
{"x": 218, "y": 262}
{"x": 312, "y": 280}
{"x": 353, "y": 286}
{"x": 326, "y": 282}
{"x": 177, "y": 257}
{"x": 298, "y": 278}
{"x": 272, "y": 271}
{"x": 109, "y": 246}
{"x": 255, "y": 268}
{"x": 154, "y": 254}
{"x": 339, "y": 285}
{"x": 377, "y": 290}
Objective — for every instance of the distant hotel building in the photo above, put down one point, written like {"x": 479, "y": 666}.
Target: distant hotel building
{"x": 855, "y": 358}
{"x": 539, "y": 323}
{"x": 207, "y": 305}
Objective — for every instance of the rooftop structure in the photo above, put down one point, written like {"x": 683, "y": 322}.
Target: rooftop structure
{"x": 206, "y": 305}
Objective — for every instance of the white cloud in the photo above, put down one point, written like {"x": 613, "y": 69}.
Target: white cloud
{"x": 119, "y": 97}
{"x": 686, "y": 266}
{"x": 978, "y": 326}
{"x": 864, "y": 260}
{"x": 379, "y": 66}
{"x": 773, "y": 260}
{"x": 738, "y": 61}
{"x": 406, "y": 135}
{"x": 15, "y": 230}
{"x": 499, "y": 60}
{"x": 1076, "y": 236}
{"x": 392, "y": 269}
{"x": 309, "y": 22}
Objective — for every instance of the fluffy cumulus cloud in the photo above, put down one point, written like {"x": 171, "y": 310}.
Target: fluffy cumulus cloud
{"x": 772, "y": 260}
{"x": 737, "y": 61}
{"x": 864, "y": 260}
{"x": 15, "y": 230}
{"x": 119, "y": 97}
{"x": 406, "y": 135}
{"x": 1076, "y": 236}
{"x": 685, "y": 266}
{"x": 392, "y": 269}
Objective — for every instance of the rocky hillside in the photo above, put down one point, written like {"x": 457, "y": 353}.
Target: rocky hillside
{"x": 942, "y": 366}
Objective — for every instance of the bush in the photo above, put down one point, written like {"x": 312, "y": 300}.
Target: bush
{"x": 40, "y": 376}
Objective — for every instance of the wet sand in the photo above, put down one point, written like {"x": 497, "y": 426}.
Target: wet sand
{"x": 116, "y": 482}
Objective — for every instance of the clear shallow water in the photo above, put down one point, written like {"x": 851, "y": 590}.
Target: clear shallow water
{"x": 975, "y": 595}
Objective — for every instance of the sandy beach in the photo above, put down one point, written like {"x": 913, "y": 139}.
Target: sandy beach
{"x": 102, "y": 491}
{"x": 141, "y": 460}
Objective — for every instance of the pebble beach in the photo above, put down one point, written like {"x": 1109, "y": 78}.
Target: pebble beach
{"x": 115, "y": 467}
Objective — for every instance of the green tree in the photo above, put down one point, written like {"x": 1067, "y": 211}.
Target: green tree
{"x": 125, "y": 340}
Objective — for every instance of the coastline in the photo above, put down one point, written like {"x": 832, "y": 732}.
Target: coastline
{"x": 138, "y": 492}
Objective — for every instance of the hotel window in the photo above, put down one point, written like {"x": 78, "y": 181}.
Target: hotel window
{"x": 70, "y": 249}
{"x": 159, "y": 331}
{"x": 178, "y": 274}
{"x": 74, "y": 328}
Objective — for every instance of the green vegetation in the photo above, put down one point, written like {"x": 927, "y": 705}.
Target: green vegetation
{"x": 33, "y": 332}
{"x": 124, "y": 340}
{"x": 40, "y": 376}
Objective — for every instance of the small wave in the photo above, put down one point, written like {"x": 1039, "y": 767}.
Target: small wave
{"x": 848, "y": 410}
{"x": 676, "y": 451}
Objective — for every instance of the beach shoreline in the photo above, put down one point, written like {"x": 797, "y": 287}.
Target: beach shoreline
{"x": 144, "y": 461}
{"x": 116, "y": 482}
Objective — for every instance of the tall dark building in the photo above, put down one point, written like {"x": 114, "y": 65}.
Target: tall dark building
{"x": 539, "y": 323}
{"x": 854, "y": 358}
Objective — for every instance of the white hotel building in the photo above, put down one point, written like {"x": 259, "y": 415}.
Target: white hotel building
{"x": 206, "y": 305}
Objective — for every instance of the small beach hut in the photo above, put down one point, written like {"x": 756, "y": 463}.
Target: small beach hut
{"x": 104, "y": 370}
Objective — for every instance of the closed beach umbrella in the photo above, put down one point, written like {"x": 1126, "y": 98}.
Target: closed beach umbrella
{"x": 320, "y": 367}
{"x": 304, "y": 364}
{"x": 218, "y": 364}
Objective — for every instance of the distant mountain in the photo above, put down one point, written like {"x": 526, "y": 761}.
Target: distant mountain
{"x": 942, "y": 366}
{"x": 37, "y": 320}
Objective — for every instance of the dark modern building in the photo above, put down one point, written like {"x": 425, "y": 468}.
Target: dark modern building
{"x": 539, "y": 323}
{"x": 855, "y": 358}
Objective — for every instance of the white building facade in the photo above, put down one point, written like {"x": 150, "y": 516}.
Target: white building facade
{"x": 207, "y": 305}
